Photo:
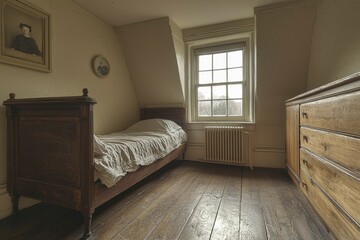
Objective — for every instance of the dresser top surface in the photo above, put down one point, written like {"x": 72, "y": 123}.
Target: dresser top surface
{"x": 344, "y": 85}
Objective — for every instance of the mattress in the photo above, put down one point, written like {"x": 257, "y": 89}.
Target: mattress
{"x": 118, "y": 153}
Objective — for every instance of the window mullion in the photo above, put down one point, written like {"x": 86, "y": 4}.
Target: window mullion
{"x": 218, "y": 84}
{"x": 212, "y": 102}
{"x": 212, "y": 81}
{"x": 227, "y": 100}
{"x": 227, "y": 85}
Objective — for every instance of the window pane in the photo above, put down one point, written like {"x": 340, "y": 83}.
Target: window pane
{"x": 205, "y": 77}
{"x": 235, "y": 91}
{"x": 235, "y": 59}
{"x": 235, "y": 74}
{"x": 219, "y": 108}
{"x": 219, "y": 76}
{"x": 205, "y": 62}
{"x": 219, "y": 92}
{"x": 204, "y": 108}
{"x": 204, "y": 93}
{"x": 219, "y": 60}
{"x": 235, "y": 108}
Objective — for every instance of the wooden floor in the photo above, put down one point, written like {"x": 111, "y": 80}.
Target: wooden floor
{"x": 185, "y": 201}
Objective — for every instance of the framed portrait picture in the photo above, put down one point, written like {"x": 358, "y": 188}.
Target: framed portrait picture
{"x": 101, "y": 66}
{"x": 25, "y": 35}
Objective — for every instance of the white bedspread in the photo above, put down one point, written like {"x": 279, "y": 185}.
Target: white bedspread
{"x": 121, "y": 152}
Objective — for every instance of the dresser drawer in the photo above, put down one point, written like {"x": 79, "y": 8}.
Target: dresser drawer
{"x": 340, "y": 113}
{"x": 337, "y": 222}
{"x": 341, "y": 186}
{"x": 341, "y": 149}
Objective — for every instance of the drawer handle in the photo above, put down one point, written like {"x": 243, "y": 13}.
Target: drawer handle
{"x": 304, "y": 185}
{"x": 305, "y": 162}
{"x": 305, "y": 138}
{"x": 304, "y": 115}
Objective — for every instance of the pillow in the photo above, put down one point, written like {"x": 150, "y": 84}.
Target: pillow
{"x": 152, "y": 125}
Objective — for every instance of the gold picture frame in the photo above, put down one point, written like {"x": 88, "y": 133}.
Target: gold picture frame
{"x": 25, "y": 35}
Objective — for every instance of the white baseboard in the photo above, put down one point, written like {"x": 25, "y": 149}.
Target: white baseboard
{"x": 6, "y": 204}
{"x": 194, "y": 151}
{"x": 268, "y": 157}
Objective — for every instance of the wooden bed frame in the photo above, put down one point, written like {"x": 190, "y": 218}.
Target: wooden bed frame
{"x": 50, "y": 153}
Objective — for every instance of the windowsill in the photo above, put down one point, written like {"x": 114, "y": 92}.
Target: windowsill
{"x": 201, "y": 125}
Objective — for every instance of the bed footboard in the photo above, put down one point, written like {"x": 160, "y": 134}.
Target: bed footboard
{"x": 50, "y": 150}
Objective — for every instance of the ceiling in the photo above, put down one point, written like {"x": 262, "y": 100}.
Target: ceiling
{"x": 185, "y": 13}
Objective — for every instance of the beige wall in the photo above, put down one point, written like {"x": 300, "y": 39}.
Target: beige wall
{"x": 335, "y": 50}
{"x": 77, "y": 36}
{"x": 283, "y": 41}
{"x": 151, "y": 58}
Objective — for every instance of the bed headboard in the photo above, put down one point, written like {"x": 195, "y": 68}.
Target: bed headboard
{"x": 176, "y": 114}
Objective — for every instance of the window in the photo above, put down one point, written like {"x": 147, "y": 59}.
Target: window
{"x": 220, "y": 82}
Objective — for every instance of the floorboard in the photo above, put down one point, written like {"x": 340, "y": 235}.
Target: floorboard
{"x": 277, "y": 222}
{"x": 178, "y": 215}
{"x": 252, "y": 222}
{"x": 111, "y": 226}
{"x": 202, "y": 220}
{"x": 187, "y": 200}
{"x": 227, "y": 223}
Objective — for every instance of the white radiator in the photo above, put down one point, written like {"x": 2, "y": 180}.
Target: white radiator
{"x": 224, "y": 144}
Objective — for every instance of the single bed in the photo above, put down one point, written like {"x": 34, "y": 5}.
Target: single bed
{"x": 50, "y": 152}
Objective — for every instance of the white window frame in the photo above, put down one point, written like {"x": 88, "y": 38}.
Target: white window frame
{"x": 248, "y": 84}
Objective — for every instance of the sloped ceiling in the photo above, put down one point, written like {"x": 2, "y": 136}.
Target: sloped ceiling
{"x": 151, "y": 59}
{"x": 185, "y": 13}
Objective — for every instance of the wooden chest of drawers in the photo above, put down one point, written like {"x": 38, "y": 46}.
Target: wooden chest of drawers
{"x": 323, "y": 130}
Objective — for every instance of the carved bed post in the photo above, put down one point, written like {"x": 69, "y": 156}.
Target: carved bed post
{"x": 87, "y": 226}
{"x": 87, "y": 129}
{"x": 15, "y": 203}
{"x": 11, "y": 145}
